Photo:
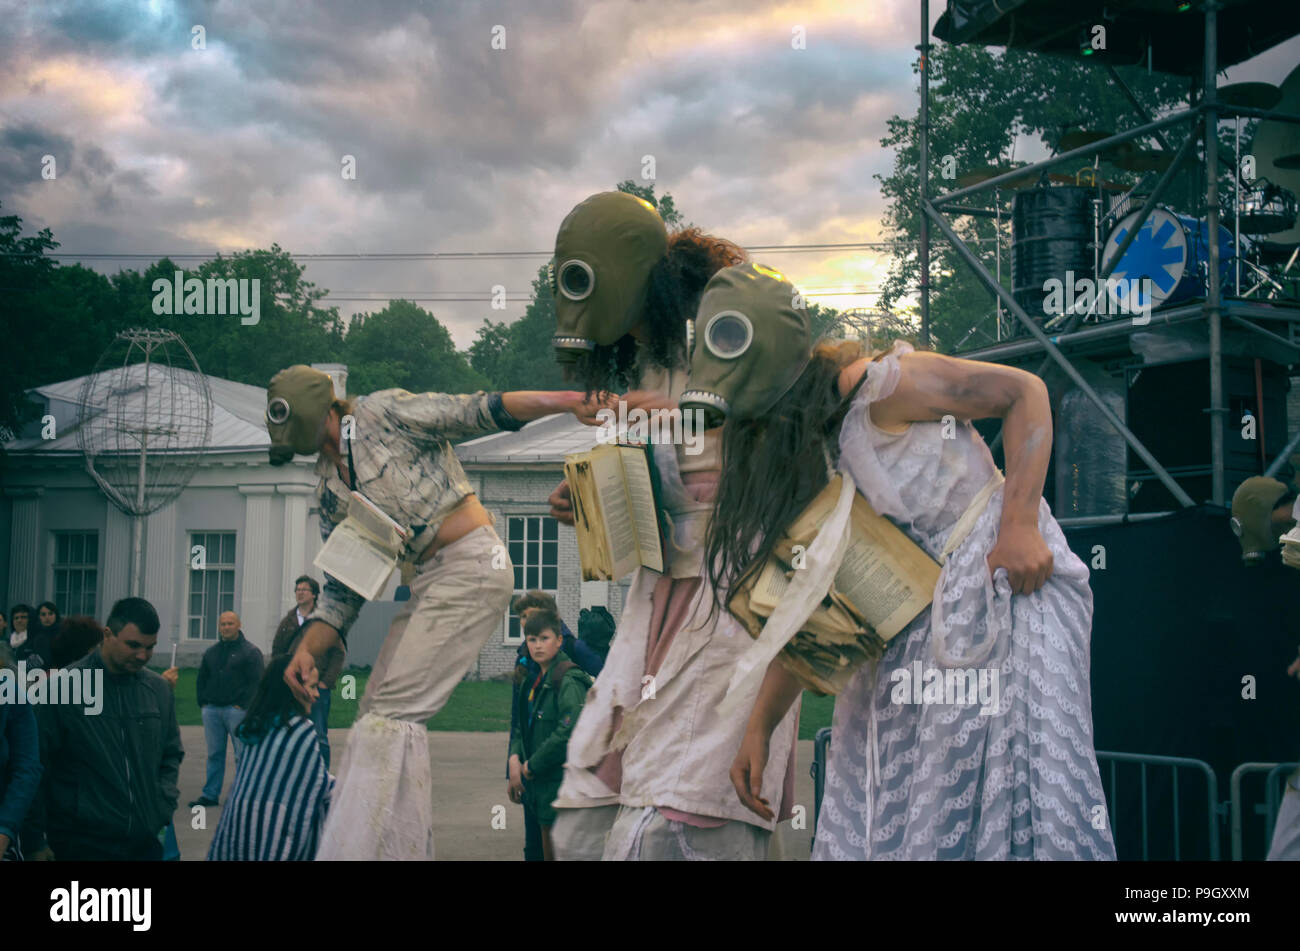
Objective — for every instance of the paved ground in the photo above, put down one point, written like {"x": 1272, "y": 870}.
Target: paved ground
{"x": 469, "y": 781}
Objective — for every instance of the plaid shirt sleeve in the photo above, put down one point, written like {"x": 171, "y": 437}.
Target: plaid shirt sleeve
{"x": 452, "y": 416}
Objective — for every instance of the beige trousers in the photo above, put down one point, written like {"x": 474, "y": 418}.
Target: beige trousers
{"x": 382, "y": 806}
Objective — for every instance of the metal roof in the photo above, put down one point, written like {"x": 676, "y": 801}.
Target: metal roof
{"x": 238, "y": 409}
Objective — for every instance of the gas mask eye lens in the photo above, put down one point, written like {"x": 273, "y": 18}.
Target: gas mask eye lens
{"x": 277, "y": 411}
{"x": 728, "y": 334}
{"x": 576, "y": 280}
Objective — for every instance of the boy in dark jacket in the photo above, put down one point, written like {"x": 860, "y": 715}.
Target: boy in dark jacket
{"x": 546, "y": 708}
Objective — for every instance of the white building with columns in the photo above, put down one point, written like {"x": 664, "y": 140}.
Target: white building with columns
{"x": 258, "y": 529}
{"x": 253, "y": 524}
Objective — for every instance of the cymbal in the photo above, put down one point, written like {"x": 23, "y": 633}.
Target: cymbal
{"x": 1077, "y": 140}
{"x": 1288, "y": 162}
{"x": 1254, "y": 95}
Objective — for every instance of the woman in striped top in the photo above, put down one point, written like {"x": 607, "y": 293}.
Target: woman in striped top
{"x": 277, "y": 807}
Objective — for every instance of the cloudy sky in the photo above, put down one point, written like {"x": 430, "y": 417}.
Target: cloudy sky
{"x": 458, "y": 146}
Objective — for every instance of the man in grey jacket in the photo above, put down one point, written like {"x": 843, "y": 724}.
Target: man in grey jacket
{"x": 111, "y": 762}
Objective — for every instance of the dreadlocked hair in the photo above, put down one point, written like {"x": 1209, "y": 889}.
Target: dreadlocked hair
{"x": 772, "y": 468}
{"x": 676, "y": 284}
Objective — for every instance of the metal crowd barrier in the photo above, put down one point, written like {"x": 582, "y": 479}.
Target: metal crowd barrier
{"x": 1174, "y": 764}
{"x": 1274, "y": 784}
{"x": 1110, "y": 763}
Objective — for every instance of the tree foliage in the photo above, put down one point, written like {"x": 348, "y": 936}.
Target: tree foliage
{"x": 983, "y": 105}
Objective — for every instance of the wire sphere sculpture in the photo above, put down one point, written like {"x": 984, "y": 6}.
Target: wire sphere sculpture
{"x": 145, "y": 420}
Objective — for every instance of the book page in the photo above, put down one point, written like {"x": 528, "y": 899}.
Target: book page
{"x": 354, "y": 558}
{"x": 611, "y": 494}
{"x": 374, "y": 521}
{"x": 768, "y": 588}
{"x": 641, "y": 502}
{"x": 586, "y": 518}
{"x": 885, "y": 576}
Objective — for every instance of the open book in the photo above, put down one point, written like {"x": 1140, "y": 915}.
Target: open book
{"x": 883, "y": 583}
{"x": 363, "y": 549}
{"x": 615, "y": 511}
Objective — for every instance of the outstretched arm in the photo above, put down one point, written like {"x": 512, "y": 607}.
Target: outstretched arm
{"x": 932, "y": 386}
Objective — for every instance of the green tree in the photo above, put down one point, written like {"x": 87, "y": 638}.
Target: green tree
{"x": 980, "y": 99}
{"x": 667, "y": 208}
{"x": 405, "y": 346}
{"x": 291, "y": 329}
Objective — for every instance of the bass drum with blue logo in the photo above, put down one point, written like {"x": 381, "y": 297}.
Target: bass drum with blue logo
{"x": 1173, "y": 251}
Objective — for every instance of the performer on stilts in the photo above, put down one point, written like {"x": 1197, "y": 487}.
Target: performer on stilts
{"x": 394, "y": 448}
{"x": 906, "y": 780}
{"x": 646, "y": 776}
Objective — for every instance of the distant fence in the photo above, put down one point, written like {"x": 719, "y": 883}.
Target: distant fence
{"x": 1160, "y": 807}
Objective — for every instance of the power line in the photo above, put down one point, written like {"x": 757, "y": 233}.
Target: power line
{"x": 384, "y": 256}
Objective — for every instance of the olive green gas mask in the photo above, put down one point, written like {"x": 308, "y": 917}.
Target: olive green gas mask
{"x": 1252, "y": 517}
{"x": 296, "y": 404}
{"x": 604, "y": 253}
{"x": 751, "y": 342}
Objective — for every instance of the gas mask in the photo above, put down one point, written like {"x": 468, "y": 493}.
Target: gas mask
{"x": 750, "y": 344}
{"x": 1252, "y": 517}
{"x": 604, "y": 253}
{"x": 296, "y": 403}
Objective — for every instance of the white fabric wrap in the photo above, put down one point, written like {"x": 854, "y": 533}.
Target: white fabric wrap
{"x": 807, "y": 589}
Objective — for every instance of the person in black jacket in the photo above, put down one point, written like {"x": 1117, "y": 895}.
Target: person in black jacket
{"x": 228, "y": 678}
{"x": 109, "y": 783}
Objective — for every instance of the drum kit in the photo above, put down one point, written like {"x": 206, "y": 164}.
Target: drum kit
{"x": 1058, "y": 221}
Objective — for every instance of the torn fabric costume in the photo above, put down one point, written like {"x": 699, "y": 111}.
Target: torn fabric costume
{"x": 930, "y": 780}
{"x": 945, "y": 781}
{"x": 667, "y": 751}
{"x": 400, "y": 458}
{"x": 648, "y": 761}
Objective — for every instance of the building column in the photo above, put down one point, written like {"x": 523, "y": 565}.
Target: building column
{"x": 162, "y": 566}
{"x": 26, "y": 581}
{"x": 254, "y": 606}
{"x": 296, "y": 500}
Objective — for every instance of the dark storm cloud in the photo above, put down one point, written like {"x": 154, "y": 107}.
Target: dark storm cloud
{"x": 457, "y": 145}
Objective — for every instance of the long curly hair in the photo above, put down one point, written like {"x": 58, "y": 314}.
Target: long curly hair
{"x": 676, "y": 285}
{"x": 773, "y": 467}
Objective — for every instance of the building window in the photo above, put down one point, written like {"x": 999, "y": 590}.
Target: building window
{"x": 534, "y": 544}
{"x": 212, "y": 587}
{"x": 76, "y": 572}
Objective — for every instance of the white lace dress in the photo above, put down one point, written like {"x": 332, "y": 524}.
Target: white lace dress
{"x": 942, "y": 780}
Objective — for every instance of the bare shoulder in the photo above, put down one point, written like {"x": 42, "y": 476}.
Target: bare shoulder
{"x": 851, "y": 374}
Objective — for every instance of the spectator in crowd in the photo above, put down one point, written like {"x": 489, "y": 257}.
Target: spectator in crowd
{"x": 305, "y": 592}
{"x": 109, "y": 788}
{"x": 20, "y": 765}
{"x": 19, "y": 615}
{"x": 4, "y": 629}
{"x": 228, "y": 676}
{"x": 525, "y": 606}
{"x": 78, "y": 635}
{"x": 547, "y": 706}
{"x": 596, "y": 628}
{"x": 281, "y": 774}
{"x": 40, "y": 641}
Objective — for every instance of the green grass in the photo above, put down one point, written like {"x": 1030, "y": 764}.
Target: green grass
{"x": 479, "y": 705}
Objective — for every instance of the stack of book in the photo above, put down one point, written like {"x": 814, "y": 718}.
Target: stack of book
{"x": 883, "y": 583}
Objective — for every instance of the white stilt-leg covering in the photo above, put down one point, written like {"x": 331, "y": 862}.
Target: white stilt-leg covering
{"x": 384, "y": 805}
